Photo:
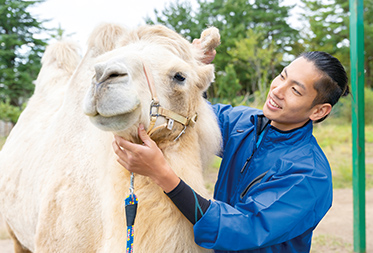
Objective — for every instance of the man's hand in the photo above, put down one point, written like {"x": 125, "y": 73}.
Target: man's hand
{"x": 146, "y": 160}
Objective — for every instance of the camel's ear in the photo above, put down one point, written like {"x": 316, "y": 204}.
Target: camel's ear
{"x": 206, "y": 76}
{"x": 210, "y": 39}
{"x": 104, "y": 38}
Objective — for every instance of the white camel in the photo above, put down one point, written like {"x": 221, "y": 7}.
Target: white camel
{"x": 61, "y": 189}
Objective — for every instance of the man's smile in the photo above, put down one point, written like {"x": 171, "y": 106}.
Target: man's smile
{"x": 273, "y": 103}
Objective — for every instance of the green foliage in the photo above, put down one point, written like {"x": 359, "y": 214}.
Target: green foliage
{"x": 329, "y": 31}
{"x": 2, "y": 142}
{"x": 253, "y": 58}
{"x": 20, "y": 51}
{"x": 179, "y": 16}
{"x": 234, "y": 18}
{"x": 9, "y": 112}
{"x": 368, "y": 98}
{"x": 258, "y": 41}
{"x": 342, "y": 110}
{"x": 368, "y": 46}
{"x": 336, "y": 142}
{"x": 228, "y": 83}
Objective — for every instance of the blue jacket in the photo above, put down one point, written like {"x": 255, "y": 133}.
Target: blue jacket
{"x": 268, "y": 198}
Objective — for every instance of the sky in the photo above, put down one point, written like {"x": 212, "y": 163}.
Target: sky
{"x": 80, "y": 17}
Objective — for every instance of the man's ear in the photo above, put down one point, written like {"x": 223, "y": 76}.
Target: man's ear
{"x": 320, "y": 111}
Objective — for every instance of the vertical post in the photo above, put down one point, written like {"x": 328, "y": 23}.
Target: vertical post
{"x": 358, "y": 122}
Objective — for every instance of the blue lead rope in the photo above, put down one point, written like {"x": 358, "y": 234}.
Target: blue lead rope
{"x": 131, "y": 209}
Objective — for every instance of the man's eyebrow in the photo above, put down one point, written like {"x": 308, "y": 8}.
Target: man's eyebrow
{"x": 296, "y": 82}
{"x": 299, "y": 84}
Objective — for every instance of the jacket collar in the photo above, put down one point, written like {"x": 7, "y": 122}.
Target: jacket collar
{"x": 276, "y": 135}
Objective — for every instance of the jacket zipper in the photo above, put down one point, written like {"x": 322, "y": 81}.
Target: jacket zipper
{"x": 255, "y": 149}
{"x": 245, "y": 165}
{"x": 254, "y": 182}
{"x": 258, "y": 178}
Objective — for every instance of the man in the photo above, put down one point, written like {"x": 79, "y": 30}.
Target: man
{"x": 274, "y": 184}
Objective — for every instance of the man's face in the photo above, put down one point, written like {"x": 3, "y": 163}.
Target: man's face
{"x": 291, "y": 94}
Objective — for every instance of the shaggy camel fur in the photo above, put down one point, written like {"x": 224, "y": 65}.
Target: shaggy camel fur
{"x": 61, "y": 189}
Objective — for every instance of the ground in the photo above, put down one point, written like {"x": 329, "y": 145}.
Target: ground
{"x": 334, "y": 233}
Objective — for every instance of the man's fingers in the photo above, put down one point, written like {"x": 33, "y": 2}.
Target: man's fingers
{"x": 126, "y": 145}
{"x": 123, "y": 163}
{"x": 144, "y": 136}
{"x": 118, "y": 150}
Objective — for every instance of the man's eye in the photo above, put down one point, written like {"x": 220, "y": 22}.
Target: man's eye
{"x": 296, "y": 91}
{"x": 282, "y": 77}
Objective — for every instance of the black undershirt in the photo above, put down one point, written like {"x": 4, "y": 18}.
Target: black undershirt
{"x": 191, "y": 204}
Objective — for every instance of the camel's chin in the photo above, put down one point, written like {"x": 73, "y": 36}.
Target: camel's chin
{"x": 116, "y": 123}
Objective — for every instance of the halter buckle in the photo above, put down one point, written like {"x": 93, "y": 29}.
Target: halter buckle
{"x": 154, "y": 108}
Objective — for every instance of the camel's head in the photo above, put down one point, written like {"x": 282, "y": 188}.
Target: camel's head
{"x": 149, "y": 65}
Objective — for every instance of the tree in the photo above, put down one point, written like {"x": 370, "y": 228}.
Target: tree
{"x": 229, "y": 84}
{"x": 328, "y": 25}
{"x": 368, "y": 37}
{"x": 9, "y": 113}
{"x": 180, "y": 17}
{"x": 20, "y": 51}
{"x": 328, "y": 30}
{"x": 233, "y": 18}
{"x": 252, "y": 55}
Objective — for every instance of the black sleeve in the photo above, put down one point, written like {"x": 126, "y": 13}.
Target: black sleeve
{"x": 191, "y": 204}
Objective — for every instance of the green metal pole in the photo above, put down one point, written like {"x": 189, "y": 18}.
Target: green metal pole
{"x": 358, "y": 136}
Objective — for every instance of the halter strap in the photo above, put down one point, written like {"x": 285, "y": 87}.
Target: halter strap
{"x": 156, "y": 110}
{"x": 150, "y": 80}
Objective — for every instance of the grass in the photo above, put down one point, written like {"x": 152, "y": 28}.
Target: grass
{"x": 2, "y": 141}
{"x": 330, "y": 243}
{"x": 210, "y": 175}
{"x": 336, "y": 142}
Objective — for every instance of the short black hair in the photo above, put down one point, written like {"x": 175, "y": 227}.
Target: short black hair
{"x": 333, "y": 83}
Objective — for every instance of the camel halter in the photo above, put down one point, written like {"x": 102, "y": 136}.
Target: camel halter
{"x": 156, "y": 110}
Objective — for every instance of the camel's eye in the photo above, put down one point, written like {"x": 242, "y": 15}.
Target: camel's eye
{"x": 179, "y": 77}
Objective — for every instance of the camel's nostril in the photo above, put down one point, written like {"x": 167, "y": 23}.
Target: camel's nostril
{"x": 110, "y": 70}
{"x": 114, "y": 75}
